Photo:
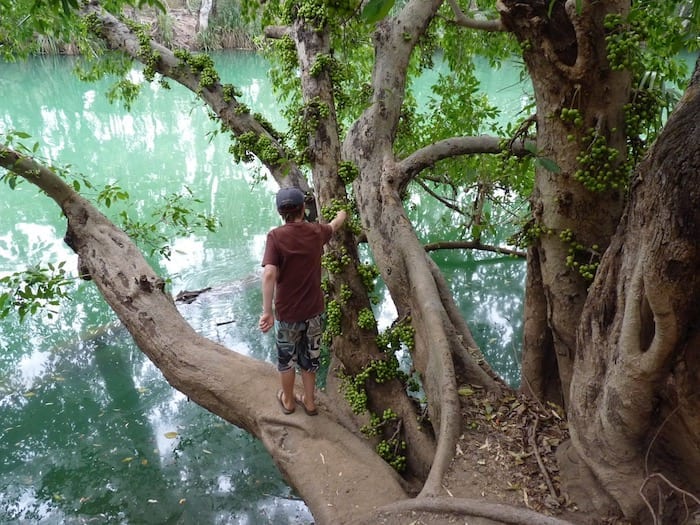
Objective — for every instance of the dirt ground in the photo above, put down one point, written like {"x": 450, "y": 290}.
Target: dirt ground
{"x": 505, "y": 455}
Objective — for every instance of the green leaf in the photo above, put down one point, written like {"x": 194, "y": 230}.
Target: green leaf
{"x": 550, "y": 7}
{"x": 375, "y": 10}
{"x": 548, "y": 164}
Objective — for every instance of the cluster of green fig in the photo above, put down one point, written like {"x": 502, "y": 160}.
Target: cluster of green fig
{"x": 586, "y": 268}
{"x": 305, "y": 123}
{"x": 530, "y": 234}
{"x": 345, "y": 293}
{"x": 348, "y": 172}
{"x": 368, "y": 274}
{"x": 642, "y": 118}
{"x": 572, "y": 115}
{"x": 286, "y": 52}
{"x": 387, "y": 449}
{"x": 92, "y": 24}
{"x": 314, "y": 12}
{"x": 334, "y": 315}
{"x": 366, "y": 320}
{"x": 390, "y": 449}
{"x": 231, "y": 92}
{"x": 202, "y": 64}
{"x": 248, "y": 144}
{"x": 624, "y": 42}
{"x": 392, "y": 339}
{"x": 599, "y": 168}
{"x": 354, "y": 388}
{"x": 373, "y": 427}
{"x": 331, "y": 210}
{"x": 324, "y": 62}
{"x": 334, "y": 262}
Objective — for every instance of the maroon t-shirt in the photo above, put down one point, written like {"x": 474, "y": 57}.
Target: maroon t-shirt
{"x": 296, "y": 249}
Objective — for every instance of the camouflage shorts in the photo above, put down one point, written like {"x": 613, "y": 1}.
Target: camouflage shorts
{"x": 299, "y": 344}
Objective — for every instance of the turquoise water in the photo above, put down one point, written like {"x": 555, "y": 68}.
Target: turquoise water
{"x": 90, "y": 430}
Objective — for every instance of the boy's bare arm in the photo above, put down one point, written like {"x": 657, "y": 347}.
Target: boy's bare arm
{"x": 338, "y": 220}
{"x": 269, "y": 279}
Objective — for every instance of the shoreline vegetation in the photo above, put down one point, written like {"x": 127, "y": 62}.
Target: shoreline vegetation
{"x": 179, "y": 28}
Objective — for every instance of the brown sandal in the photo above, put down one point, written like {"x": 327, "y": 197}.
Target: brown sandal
{"x": 280, "y": 394}
{"x": 300, "y": 401}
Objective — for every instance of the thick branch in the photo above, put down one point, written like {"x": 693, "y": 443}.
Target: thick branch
{"x": 466, "y": 508}
{"x": 395, "y": 40}
{"x": 463, "y": 20}
{"x": 471, "y": 245}
{"x": 277, "y": 32}
{"x": 452, "y": 147}
{"x": 320, "y": 460}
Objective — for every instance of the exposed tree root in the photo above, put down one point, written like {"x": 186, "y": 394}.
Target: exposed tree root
{"x": 470, "y": 508}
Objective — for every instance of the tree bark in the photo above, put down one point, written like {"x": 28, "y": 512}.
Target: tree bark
{"x": 355, "y": 347}
{"x": 404, "y": 264}
{"x": 204, "y": 11}
{"x": 564, "y": 49}
{"x": 634, "y": 407}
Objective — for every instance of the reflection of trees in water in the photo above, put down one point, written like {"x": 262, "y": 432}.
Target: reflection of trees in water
{"x": 85, "y": 442}
{"x": 489, "y": 293}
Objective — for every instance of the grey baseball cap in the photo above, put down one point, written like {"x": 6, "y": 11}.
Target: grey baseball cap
{"x": 289, "y": 199}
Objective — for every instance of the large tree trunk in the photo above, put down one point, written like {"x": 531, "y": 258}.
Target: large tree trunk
{"x": 205, "y": 11}
{"x": 635, "y": 409}
{"x": 564, "y": 49}
{"x": 404, "y": 264}
{"x": 354, "y": 348}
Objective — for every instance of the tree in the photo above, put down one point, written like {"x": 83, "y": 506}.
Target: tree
{"x": 609, "y": 333}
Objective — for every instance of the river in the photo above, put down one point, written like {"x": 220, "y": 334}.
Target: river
{"x": 90, "y": 431}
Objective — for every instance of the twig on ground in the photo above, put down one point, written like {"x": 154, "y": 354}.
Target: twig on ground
{"x": 543, "y": 469}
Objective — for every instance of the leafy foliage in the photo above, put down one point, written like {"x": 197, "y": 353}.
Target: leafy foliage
{"x": 175, "y": 217}
{"x": 34, "y": 289}
{"x": 41, "y": 287}
{"x": 375, "y": 10}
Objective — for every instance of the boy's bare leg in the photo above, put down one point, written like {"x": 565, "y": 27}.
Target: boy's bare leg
{"x": 287, "y": 379}
{"x": 309, "y": 381}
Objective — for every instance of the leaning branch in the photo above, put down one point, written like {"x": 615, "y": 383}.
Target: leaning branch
{"x": 452, "y": 147}
{"x": 463, "y": 20}
{"x": 471, "y": 245}
{"x": 118, "y": 36}
{"x": 38, "y": 174}
{"x": 326, "y": 463}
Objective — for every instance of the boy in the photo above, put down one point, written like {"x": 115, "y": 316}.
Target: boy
{"x": 292, "y": 277}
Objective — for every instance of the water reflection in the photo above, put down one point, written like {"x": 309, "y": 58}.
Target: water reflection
{"x": 489, "y": 292}
{"x": 93, "y": 431}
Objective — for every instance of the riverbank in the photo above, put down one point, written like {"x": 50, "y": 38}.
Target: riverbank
{"x": 179, "y": 28}
{"x": 176, "y": 28}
